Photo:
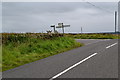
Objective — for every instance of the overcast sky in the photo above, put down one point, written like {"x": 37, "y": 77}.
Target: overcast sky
{"x": 38, "y": 16}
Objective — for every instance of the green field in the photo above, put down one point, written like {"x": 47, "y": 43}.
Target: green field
{"x": 20, "y": 50}
{"x": 94, "y": 36}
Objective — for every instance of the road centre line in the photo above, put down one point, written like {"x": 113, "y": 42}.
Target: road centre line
{"x": 73, "y": 66}
{"x": 111, "y": 45}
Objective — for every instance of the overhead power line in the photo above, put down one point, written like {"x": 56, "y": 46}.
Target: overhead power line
{"x": 98, "y": 7}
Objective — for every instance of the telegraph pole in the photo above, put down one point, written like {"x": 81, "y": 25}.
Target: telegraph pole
{"x": 81, "y": 30}
{"x": 115, "y": 21}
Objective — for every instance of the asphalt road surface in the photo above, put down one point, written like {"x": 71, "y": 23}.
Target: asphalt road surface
{"x": 97, "y": 59}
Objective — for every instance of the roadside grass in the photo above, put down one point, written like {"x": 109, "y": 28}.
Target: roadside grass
{"x": 17, "y": 50}
{"x": 15, "y": 54}
{"x": 0, "y": 58}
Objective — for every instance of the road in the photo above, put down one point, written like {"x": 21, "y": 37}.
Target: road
{"x": 97, "y": 59}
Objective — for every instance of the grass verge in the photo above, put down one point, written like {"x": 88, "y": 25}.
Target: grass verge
{"x": 19, "y": 53}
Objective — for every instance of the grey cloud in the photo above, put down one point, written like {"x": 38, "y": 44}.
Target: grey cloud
{"x": 0, "y": 17}
{"x": 37, "y": 17}
{"x": 119, "y": 17}
{"x": 19, "y": 8}
{"x": 35, "y": 8}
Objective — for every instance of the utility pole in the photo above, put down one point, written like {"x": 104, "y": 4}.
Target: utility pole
{"x": 115, "y": 21}
{"x": 81, "y": 30}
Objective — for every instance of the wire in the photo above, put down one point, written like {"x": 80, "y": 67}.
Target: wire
{"x": 98, "y": 7}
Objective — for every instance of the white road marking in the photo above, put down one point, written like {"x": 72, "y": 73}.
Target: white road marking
{"x": 111, "y": 45}
{"x": 73, "y": 66}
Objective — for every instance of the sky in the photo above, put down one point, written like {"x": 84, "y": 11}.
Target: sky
{"x": 0, "y": 17}
{"x": 119, "y": 16}
{"x": 39, "y": 16}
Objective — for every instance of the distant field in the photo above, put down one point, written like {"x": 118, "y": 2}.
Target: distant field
{"x": 94, "y": 36}
{"x": 19, "y": 49}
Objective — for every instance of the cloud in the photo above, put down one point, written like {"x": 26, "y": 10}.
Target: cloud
{"x": 119, "y": 16}
{"x": 0, "y": 17}
{"x": 37, "y": 17}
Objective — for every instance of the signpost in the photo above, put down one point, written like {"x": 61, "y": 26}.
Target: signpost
{"x": 60, "y": 25}
{"x": 53, "y": 27}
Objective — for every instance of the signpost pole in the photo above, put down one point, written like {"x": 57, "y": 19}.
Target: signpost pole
{"x": 54, "y": 29}
{"x": 63, "y": 28}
